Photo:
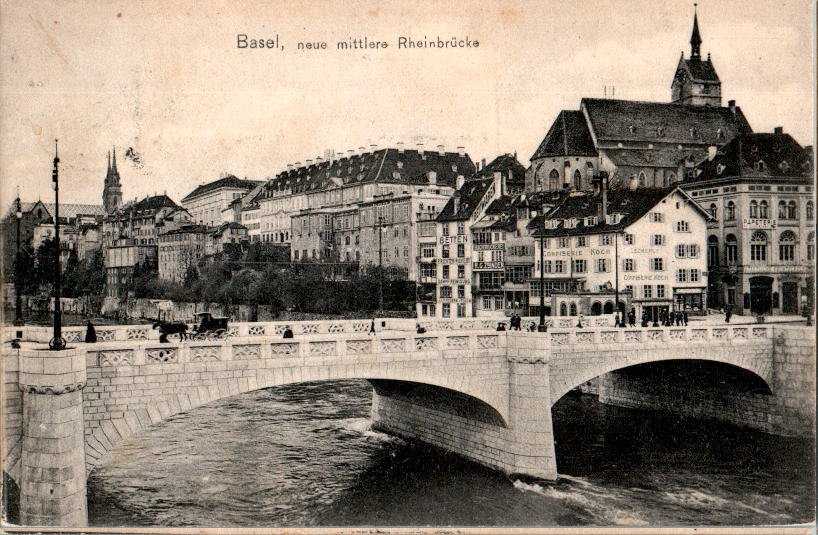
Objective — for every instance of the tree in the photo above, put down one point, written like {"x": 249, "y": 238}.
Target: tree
{"x": 191, "y": 276}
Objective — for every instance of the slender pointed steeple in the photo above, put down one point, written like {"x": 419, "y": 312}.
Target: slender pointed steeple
{"x": 112, "y": 192}
{"x": 695, "y": 38}
{"x": 113, "y": 168}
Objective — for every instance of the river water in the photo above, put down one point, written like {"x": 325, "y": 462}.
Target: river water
{"x": 304, "y": 455}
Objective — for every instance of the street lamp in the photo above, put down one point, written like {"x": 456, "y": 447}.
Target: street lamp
{"x": 380, "y": 263}
{"x": 57, "y": 342}
{"x": 542, "y": 327}
{"x": 18, "y": 302}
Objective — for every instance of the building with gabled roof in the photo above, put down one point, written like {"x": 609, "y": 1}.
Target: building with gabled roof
{"x": 759, "y": 189}
{"x": 652, "y": 143}
{"x": 207, "y": 201}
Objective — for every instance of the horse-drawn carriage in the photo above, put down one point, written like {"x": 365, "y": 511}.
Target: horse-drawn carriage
{"x": 207, "y": 328}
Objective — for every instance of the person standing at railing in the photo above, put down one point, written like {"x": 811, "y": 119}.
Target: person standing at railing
{"x": 90, "y": 333}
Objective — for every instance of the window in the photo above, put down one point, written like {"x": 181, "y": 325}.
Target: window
{"x": 577, "y": 180}
{"x": 547, "y": 265}
{"x": 657, "y": 264}
{"x": 461, "y": 250}
{"x": 461, "y": 271}
{"x": 753, "y": 209}
{"x": 487, "y": 301}
{"x": 562, "y": 243}
{"x": 682, "y": 226}
{"x": 792, "y": 210}
{"x": 445, "y": 292}
{"x": 810, "y": 210}
{"x": 628, "y": 239}
{"x": 582, "y": 241}
{"x": 553, "y": 180}
{"x": 660, "y": 290}
{"x": 693, "y": 251}
{"x": 658, "y": 239}
{"x": 573, "y": 310}
{"x": 657, "y": 217}
{"x": 681, "y": 275}
{"x": 602, "y": 265}
{"x": 559, "y": 266}
{"x": 730, "y": 211}
{"x": 782, "y": 210}
{"x": 647, "y": 291}
{"x": 605, "y": 239}
{"x": 643, "y": 180}
{"x": 712, "y": 251}
{"x": 694, "y": 275}
{"x": 758, "y": 246}
{"x": 580, "y": 266}
{"x": 461, "y": 291}
{"x": 427, "y": 270}
{"x": 763, "y": 210}
{"x": 446, "y": 310}
{"x": 428, "y": 251}
{"x": 444, "y": 251}
{"x": 811, "y": 246}
{"x": 444, "y": 272}
{"x": 731, "y": 249}
{"x": 628, "y": 264}
{"x": 445, "y": 229}
{"x": 714, "y": 210}
{"x": 680, "y": 251}
{"x": 786, "y": 246}
{"x": 461, "y": 228}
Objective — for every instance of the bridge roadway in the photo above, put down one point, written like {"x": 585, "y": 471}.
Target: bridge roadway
{"x": 461, "y": 386}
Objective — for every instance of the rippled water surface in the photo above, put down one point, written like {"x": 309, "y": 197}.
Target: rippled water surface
{"x": 304, "y": 455}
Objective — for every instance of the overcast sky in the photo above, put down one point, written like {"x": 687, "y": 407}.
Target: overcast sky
{"x": 168, "y": 80}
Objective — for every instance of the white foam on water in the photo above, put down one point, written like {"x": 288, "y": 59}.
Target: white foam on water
{"x": 593, "y": 503}
{"x": 697, "y": 498}
{"x": 363, "y": 426}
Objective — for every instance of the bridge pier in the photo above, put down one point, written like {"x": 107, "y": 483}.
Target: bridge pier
{"x": 52, "y": 474}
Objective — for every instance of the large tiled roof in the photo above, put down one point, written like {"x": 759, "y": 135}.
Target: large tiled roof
{"x": 631, "y": 204}
{"x": 383, "y": 166}
{"x": 568, "y": 136}
{"x": 656, "y": 122}
{"x": 781, "y": 155}
{"x": 146, "y": 206}
{"x": 504, "y": 163}
{"x": 468, "y": 198}
{"x": 655, "y": 157}
{"x": 68, "y": 211}
{"x": 229, "y": 181}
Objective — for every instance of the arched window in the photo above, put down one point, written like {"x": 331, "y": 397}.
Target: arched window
{"x": 763, "y": 210}
{"x": 577, "y": 180}
{"x": 782, "y": 210}
{"x": 573, "y": 309}
{"x": 596, "y": 308}
{"x": 753, "y": 209}
{"x": 671, "y": 178}
{"x": 563, "y": 309}
{"x": 731, "y": 249}
{"x": 758, "y": 246}
{"x": 810, "y": 210}
{"x": 792, "y": 210}
{"x": 554, "y": 180}
{"x": 643, "y": 179}
{"x": 730, "y": 211}
{"x": 712, "y": 251}
{"x": 811, "y": 246}
{"x": 609, "y": 307}
{"x": 786, "y": 246}
{"x": 714, "y": 210}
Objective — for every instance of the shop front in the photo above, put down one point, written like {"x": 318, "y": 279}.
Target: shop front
{"x": 690, "y": 300}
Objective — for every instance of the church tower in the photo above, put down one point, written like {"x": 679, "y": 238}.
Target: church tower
{"x": 112, "y": 192}
{"x": 696, "y": 82}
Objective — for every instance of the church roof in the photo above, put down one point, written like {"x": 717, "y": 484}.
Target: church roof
{"x": 701, "y": 70}
{"x": 568, "y": 136}
{"x": 68, "y": 210}
{"x": 659, "y": 122}
{"x": 762, "y": 155}
{"x": 654, "y": 157}
{"x": 230, "y": 181}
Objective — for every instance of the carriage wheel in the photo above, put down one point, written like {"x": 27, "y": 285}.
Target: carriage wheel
{"x": 221, "y": 333}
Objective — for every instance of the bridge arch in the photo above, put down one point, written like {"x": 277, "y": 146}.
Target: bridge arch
{"x": 492, "y": 403}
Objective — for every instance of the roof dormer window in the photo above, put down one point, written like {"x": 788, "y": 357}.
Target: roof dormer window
{"x": 693, "y": 132}
{"x": 632, "y": 129}
{"x": 719, "y": 134}
{"x": 660, "y": 131}
{"x": 720, "y": 169}
{"x": 454, "y": 168}
{"x": 400, "y": 165}
{"x": 760, "y": 166}
{"x": 784, "y": 166}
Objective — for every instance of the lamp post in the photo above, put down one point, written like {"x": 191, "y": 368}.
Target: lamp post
{"x": 18, "y": 302}
{"x": 380, "y": 263}
{"x": 57, "y": 342}
{"x": 542, "y": 327}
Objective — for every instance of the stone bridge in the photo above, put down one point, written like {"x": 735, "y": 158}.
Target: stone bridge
{"x": 484, "y": 394}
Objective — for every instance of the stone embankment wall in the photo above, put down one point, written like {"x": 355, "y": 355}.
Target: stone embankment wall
{"x": 786, "y": 408}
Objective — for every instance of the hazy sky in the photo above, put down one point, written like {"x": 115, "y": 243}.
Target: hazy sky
{"x": 167, "y": 79}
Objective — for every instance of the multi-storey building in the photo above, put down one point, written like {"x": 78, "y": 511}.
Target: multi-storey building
{"x": 180, "y": 249}
{"x": 207, "y": 202}
{"x": 130, "y": 237}
{"x": 644, "y": 244}
{"x": 654, "y": 142}
{"x": 759, "y": 189}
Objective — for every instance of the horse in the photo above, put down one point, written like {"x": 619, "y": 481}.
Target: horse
{"x": 167, "y": 328}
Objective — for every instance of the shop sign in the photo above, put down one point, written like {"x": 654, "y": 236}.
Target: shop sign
{"x": 488, "y": 265}
{"x": 460, "y": 238}
{"x": 755, "y": 223}
{"x": 490, "y": 247}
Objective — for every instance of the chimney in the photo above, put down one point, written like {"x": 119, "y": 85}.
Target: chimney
{"x": 432, "y": 176}
{"x": 350, "y": 153}
{"x": 778, "y": 130}
{"x": 601, "y": 185}
{"x": 459, "y": 181}
{"x": 298, "y": 164}
{"x": 500, "y": 180}
{"x": 441, "y": 150}
{"x": 483, "y": 163}
{"x": 289, "y": 167}
{"x": 373, "y": 148}
{"x": 461, "y": 151}
{"x": 711, "y": 152}
{"x": 400, "y": 147}
{"x": 309, "y": 163}
{"x": 319, "y": 160}
{"x": 634, "y": 183}
{"x": 456, "y": 200}
{"x": 361, "y": 150}
{"x": 732, "y": 105}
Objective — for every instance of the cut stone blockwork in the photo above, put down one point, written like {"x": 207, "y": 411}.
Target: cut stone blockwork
{"x": 484, "y": 394}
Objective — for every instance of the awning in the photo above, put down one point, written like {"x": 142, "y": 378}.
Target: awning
{"x": 689, "y": 290}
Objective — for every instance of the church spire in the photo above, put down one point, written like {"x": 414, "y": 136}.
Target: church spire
{"x": 114, "y": 163}
{"x": 695, "y": 38}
